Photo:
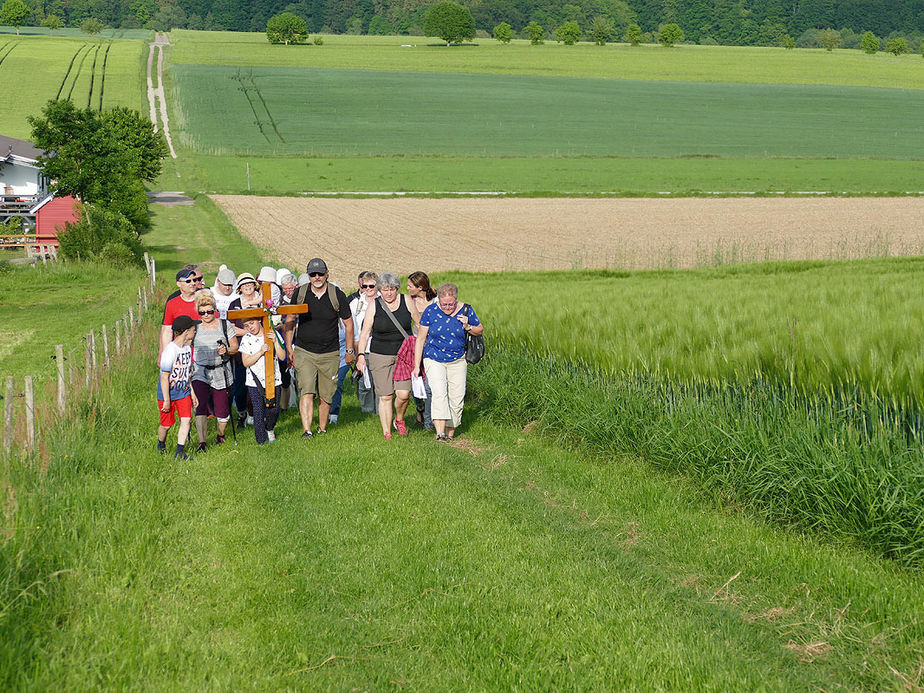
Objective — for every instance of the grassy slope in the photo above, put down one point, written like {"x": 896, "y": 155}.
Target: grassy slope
{"x": 44, "y": 61}
{"x": 284, "y": 110}
{"x": 694, "y": 63}
{"x": 87, "y": 297}
{"x": 504, "y": 563}
{"x": 349, "y": 562}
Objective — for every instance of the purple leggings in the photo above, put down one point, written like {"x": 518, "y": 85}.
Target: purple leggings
{"x": 211, "y": 401}
{"x": 263, "y": 419}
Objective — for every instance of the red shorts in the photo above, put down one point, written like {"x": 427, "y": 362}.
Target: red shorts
{"x": 182, "y": 407}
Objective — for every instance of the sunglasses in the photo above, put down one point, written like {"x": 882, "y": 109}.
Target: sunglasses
{"x": 207, "y": 312}
{"x": 316, "y": 274}
{"x": 368, "y": 286}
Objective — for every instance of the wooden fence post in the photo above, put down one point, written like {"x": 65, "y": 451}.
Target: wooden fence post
{"x": 131, "y": 322}
{"x": 62, "y": 386}
{"x": 118, "y": 336}
{"x": 8, "y": 415}
{"x": 105, "y": 346}
{"x": 88, "y": 371}
{"x": 147, "y": 262}
{"x": 30, "y": 414}
{"x": 153, "y": 273}
{"x": 144, "y": 295}
{"x": 93, "y": 357}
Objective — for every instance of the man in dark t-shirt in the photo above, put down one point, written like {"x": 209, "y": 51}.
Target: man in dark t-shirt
{"x": 313, "y": 343}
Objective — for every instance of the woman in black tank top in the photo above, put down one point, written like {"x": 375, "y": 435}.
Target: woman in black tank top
{"x": 381, "y": 355}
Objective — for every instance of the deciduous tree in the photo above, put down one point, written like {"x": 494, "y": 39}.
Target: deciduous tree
{"x": 602, "y": 29}
{"x": 15, "y": 13}
{"x": 286, "y": 28}
{"x": 449, "y": 21}
{"x": 829, "y": 39}
{"x": 897, "y": 46}
{"x": 503, "y": 32}
{"x": 669, "y": 34}
{"x": 568, "y": 33}
{"x": 52, "y": 22}
{"x": 870, "y": 43}
{"x": 633, "y": 34}
{"x": 91, "y": 26}
{"x": 535, "y": 33}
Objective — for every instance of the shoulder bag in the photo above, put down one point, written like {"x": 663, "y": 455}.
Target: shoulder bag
{"x": 474, "y": 344}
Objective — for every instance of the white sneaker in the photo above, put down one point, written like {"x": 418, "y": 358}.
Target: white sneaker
{"x": 249, "y": 421}
{"x": 271, "y": 436}
{"x": 333, "y": 418}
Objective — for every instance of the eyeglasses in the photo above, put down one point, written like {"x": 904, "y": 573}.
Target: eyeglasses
{"x": 315, "y": 274}
{"x": 207, "y": 312}
{"x": 368, "y": 286}
{"x": 197, "y": 279}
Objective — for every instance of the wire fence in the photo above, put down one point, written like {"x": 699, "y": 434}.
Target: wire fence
{"x": 80, "y": 369}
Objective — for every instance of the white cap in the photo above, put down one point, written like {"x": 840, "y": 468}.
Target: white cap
{"x": 267, "y": 274}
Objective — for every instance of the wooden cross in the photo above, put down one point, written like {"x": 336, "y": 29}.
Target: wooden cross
{"x": 264, "y": 312}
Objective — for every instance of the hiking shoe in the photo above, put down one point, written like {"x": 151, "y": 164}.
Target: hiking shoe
{"x": 400, "y": 427}
{"x": 219, "y": 440}
{"x": 442, "y": 438}
{"x": 161, "y": 448}
{"x": 200, "y": 447}
{"x": 271, "y": 436}
{"x": 322, "y": 431}
{"x": 308, "y": 434}
{"x": 388, "y": 436}
{"x": 249, "y": 420}
{"x": 334, "y": 417}
{"x": 242, "y": 420}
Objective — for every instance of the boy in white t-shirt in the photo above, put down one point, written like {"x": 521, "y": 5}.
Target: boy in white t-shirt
{"x": 252, "y": 348}
{"x": 174, "y": 393}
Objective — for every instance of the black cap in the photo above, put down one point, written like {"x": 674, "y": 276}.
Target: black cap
{"x": 185, "y": 274}
{"x": 183, "y": 323}
{"x": 316, "y": 265}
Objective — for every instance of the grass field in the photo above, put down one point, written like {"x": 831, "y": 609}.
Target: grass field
{"x": 502, "y": 563}
{"x": 543, "y": 175}
{"x": 74, "y": 32}
{"x": 650, "y": 62}
{"x": 646, "y": 121}
{"x": 90, "y": 72}
{"x": 367, "y": 112}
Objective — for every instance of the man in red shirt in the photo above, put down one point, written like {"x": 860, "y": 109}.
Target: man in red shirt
{"x": 187, "y": 281}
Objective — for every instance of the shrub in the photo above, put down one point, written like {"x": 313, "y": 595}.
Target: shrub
{"x": 870, "y": 43}
{"x": 91, "y": 26}
{"x": 503, "y": 32}
{"x": 100, "y": 234}
{"x": 568, "y": 33}
{"x": 318, "y": 41}
{"x": 789, "y": 42}
{"x": 534, "y": 33}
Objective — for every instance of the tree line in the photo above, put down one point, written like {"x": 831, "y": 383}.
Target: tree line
{"x": 725, "y": 22}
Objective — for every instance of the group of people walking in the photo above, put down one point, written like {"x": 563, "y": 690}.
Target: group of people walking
{"x": 399, "y": 346}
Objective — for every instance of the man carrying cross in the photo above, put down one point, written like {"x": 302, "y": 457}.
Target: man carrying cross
{"x": 313, "y": 343}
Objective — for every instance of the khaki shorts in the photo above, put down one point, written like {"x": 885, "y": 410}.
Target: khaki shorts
{"x": 382, "y": 368}
{"x": 317, "y": 373}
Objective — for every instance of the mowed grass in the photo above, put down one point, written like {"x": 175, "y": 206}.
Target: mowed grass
{"x": 544, "y": 175}
{"x": 90, "y": 72}
{"x": 648, "y": 62}
{"x": 348, "y": 562}
{"x": 283, "y": 110}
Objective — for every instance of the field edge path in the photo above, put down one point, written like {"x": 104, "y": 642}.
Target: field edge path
{"x": 161, "y": 39}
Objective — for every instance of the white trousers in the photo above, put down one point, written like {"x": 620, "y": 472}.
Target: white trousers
{"x": 447, "y": 385}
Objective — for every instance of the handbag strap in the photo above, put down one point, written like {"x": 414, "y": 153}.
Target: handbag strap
{"x": 391, "y": 315}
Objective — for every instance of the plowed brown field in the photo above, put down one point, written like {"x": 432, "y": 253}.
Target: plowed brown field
{"x": 484, "y": 235}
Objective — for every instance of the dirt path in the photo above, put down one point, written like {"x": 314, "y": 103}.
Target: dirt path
{"x": 156, "y": 95}
{"x": 484, "y": 235}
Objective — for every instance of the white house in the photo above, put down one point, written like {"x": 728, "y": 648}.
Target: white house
{"x": 22, "y": 184}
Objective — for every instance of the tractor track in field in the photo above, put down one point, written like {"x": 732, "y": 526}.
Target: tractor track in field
{"x": 67, "y": 74}
{"x": 102, "y": 81}
{"x": 253, "y": 108}
{"x": 269, "y": 113}
{"x": 92, "y": 78}
{"x": 8, "y": 43}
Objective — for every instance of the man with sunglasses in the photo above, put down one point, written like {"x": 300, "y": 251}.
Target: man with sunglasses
{"x": 313, "y": 343}
{"x": 183, "y": 302}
